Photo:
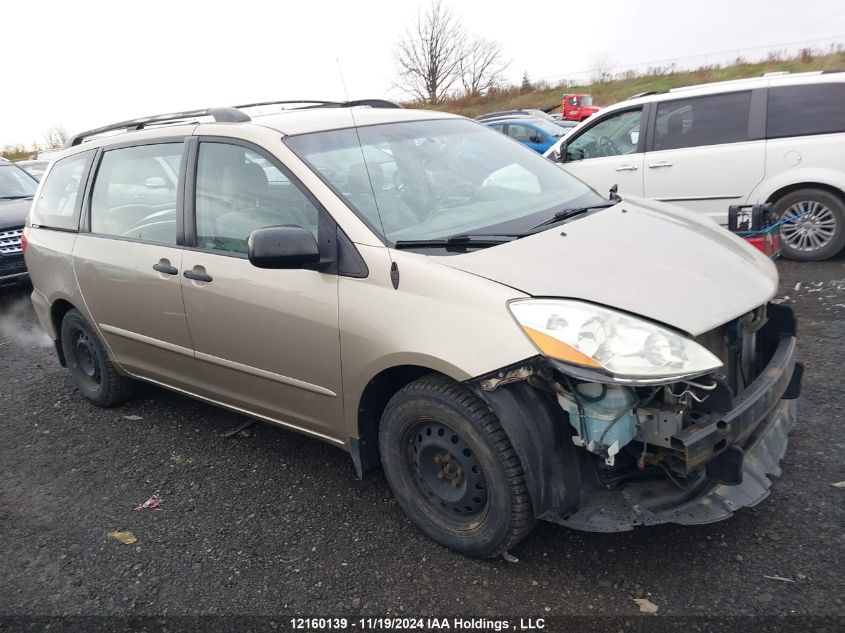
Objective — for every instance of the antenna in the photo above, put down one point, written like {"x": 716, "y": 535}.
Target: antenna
{"x": 394, "y": 269}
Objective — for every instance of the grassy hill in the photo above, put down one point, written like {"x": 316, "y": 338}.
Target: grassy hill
{"x": 548, "y": 98}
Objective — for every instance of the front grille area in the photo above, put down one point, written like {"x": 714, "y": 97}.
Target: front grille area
{"x": 11, "y": 253}
{"x": 12, "y": 265}
{"x": 10, "y": 241}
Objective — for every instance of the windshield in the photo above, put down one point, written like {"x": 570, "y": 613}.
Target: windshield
{"x": 587, "y": 101}
{"x": 16, "y": 183}
{"x": 433, "y": 179}
{"x": 549, "y": 127}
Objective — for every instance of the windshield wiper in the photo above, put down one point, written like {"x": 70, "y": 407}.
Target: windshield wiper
{"x": 14, "y": 197}
{"x": 460, "y": 240}
{"x": 565, "y": 214}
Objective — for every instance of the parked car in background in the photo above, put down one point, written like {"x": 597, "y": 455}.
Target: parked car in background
{"x": 567, "y": 125}
{"x": 16, "y": 191}
{"x": 541, "y": 114}
{"x": 776, "y": 139}
{"x": 507, "y": 344}
{"x": 577, "y": 107}
{"x": 34, "y": 168}
{"x": 536, "y": 133}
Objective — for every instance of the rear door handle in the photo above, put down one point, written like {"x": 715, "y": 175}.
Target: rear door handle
{"x": 165, "y": 268}
{"x": 190, "y": 274}
{"x": 627, "y": 168}
{"x": 664, "y": 163}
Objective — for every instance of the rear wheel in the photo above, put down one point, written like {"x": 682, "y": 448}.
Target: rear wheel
{"x": 89, "y": 364}
{"x": 815, "y": 224}
{"x": 452, "y": 468}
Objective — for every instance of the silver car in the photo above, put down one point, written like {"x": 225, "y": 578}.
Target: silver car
{"x": 431, "y": 297}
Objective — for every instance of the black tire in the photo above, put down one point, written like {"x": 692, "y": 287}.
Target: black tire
{"x": 475, "y": 501}
{"x": 821, "y": 241}
{"x": 89, "y": 364}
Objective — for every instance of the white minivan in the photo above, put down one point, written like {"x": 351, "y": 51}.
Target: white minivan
{"x": 777, "y": 138}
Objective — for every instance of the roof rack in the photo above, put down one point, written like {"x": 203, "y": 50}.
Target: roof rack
{"x": 308, "y": 103}
{"x": 221, "y": 115}
{"x": 647, "y": 93}
{"x": 228, "y": 115}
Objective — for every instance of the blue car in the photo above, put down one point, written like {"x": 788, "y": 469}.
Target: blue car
{"x": 534, "y": 132}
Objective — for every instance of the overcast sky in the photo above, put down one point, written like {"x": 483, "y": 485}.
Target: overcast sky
{"x": 88, "y": 63}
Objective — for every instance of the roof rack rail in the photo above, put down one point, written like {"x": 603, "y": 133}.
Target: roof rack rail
{"x": 221, "y": 115}
{"x": 227, "y": 115}
{"x": 317, "y": 103}
{"x": 647, "y": 93}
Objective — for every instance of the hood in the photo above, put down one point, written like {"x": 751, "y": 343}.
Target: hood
{"x": 648, "y": 258}
{"x": 13, "y": 213}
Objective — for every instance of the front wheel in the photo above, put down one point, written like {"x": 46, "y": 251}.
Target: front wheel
{"x": 89, "y": 364}
{"x": 452, "y": 468}
{"x": 814, "y": 224}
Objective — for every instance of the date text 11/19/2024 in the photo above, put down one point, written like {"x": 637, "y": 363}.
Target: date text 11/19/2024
{"x": 417, "y": 624}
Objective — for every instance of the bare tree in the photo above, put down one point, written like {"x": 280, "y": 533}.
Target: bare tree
{"x": 428, "y": 56}
{"x": 55, "y": 137}
{"x": 601, "y": 68}
{"x": 481, "y": 66}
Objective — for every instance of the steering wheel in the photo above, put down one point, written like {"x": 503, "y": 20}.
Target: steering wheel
{"x": 606, "y": 147}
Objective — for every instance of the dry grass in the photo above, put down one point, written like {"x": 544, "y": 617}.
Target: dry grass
{"x": 548, "y": 98}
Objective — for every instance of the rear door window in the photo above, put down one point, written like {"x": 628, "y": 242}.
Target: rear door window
{"x": 135, "y": 193}
{"x": 59, "y": 203}
{"x": 711, "y": 120}
{"x": 805, "y": 110}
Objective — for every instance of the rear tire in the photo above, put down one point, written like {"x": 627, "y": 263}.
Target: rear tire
{"x": 820, "y": 233}
{"x": 452, "y": 468}
{"x": 89, "y": 364}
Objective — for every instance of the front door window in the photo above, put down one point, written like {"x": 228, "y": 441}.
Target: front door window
{"x": 239, "y": 191}
{"x": 616, "y": 135}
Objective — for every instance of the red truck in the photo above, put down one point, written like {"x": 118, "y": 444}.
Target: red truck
{"x": 577, "y": 107}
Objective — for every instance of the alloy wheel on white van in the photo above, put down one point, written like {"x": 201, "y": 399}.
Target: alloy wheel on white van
{"x": 813, "y": 224}
{"x": 809, "y": 225}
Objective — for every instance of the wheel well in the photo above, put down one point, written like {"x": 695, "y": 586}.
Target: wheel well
{"x": 58, "y": 311}
{"x": 780, "y": 193}
{"x": 374, "y": 399}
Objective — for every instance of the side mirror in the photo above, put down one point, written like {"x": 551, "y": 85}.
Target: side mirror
{"x": 559, "y": 154}
{"x": 282, "y": 247}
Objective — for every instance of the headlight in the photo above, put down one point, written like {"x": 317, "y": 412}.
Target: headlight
{"x": 621, "y": 345}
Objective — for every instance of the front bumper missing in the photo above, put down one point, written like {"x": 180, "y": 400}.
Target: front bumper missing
{"x": 759, "y": 423}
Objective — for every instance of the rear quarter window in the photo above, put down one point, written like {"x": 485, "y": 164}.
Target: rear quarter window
{"x": 60, "y": 199}
{"x": 805, "y": 110}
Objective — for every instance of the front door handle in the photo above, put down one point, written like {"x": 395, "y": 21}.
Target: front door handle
{"x": 664, "y": 163}
{"x": 627, "y": 168}
{"x": 191, "y": 274}
{"x": 165, "y": 268}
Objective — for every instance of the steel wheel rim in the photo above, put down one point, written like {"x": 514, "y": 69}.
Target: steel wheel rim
{"x": 86, "y": 359}
{"x": 446, "y": 471}
{"x": 809, "y": 225}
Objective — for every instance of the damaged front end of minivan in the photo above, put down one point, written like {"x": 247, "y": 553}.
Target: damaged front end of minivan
{"x": 621, "y": 422}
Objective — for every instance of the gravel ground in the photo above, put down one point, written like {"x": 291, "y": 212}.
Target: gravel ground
{"x": 271, "y": 522}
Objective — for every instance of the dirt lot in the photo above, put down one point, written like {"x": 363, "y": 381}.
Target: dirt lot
{"x": 270, "y": 522}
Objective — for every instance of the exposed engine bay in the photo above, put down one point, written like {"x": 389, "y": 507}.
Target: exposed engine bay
{"x": 688, "y": 434}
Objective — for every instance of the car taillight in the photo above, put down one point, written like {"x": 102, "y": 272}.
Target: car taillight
{"x": 24, "y": 238}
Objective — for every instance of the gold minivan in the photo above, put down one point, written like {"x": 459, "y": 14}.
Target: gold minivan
{"x": 430, "y": 296}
